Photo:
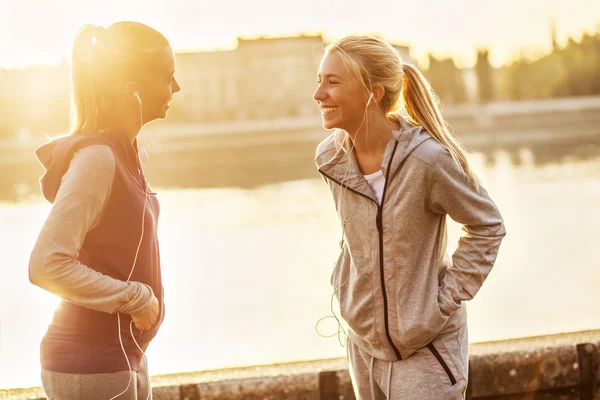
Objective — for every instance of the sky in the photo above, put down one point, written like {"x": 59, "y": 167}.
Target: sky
{"x": 42, "y": 31}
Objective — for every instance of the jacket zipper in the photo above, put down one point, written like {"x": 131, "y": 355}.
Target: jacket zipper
{"x": 379, "y": 223}
{"x": 381, "y": 269}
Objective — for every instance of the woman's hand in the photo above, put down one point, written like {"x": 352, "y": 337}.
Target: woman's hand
{"x": 145, "y": 320}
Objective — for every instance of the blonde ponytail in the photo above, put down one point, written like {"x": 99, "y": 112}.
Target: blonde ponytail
{"x": 407, "y": 92}
{"x": 421, "y": 105}
{"x": 87, "y": 65}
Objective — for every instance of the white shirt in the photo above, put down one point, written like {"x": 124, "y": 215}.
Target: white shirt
{"x": 377, "y": 181}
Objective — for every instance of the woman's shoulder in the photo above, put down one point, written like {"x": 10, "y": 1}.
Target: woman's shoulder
{"x": 96, "y": 161}
{"x": 96, "y": 154}
{"x": 429, "y": 151}
{"x": 95, "y": 164}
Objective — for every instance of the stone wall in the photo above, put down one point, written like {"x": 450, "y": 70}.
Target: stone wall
{"x": 560, "y": 367}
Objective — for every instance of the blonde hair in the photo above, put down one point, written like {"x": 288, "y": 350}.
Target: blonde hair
{"x": 407, "y": 91}
{"x": 103, "y": 60}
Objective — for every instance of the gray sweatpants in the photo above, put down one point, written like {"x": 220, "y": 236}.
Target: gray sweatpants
{"x": 438, "y": 371}
{"x": 62, "y": 386}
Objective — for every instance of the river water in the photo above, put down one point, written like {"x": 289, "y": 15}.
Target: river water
{"x": 246, "y": 271}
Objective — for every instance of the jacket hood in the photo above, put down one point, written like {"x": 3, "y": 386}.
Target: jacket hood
{"x": 55, "y": 156}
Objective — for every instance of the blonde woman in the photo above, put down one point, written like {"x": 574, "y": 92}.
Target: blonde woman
{"x": 98, "y": 248}
{"x": 395, "y": 173}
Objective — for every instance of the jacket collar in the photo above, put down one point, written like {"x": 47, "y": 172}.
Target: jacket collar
{"x": 341, "y": 165}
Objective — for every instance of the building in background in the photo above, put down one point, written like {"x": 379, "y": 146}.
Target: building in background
{"x": 261, "y": 79}
{"x": 35, "y": 101}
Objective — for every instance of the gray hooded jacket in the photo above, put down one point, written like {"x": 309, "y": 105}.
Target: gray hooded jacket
{"x": 397, "y": 287}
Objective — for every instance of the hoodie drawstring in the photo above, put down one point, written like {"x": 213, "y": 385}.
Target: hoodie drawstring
{"x": 388, "y": 390}
{"x": 371, "y": 380}
{"x": 389, "y": 382}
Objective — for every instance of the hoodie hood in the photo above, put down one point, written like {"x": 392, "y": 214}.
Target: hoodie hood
{"x": 55, "y": 156}
{"x": 341, "y": 165}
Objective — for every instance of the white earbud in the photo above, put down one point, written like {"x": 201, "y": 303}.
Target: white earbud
{"x": 371, "y": 96}
{"x": 137, "y": 96}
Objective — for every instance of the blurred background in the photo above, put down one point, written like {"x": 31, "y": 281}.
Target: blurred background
{"x": 248, "y": 230}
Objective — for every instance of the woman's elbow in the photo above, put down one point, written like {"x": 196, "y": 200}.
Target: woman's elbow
{"x": 501, "y": 228}
{"x": 37, "y": 269}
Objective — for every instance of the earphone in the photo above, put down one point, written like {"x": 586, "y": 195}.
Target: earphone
{"x": 344, "y": 186}
{"x": 371, "y": 97}
{"x": 144, "y": 156}
{"x": 143, "y": 152}
{"x": 119, "y": 316}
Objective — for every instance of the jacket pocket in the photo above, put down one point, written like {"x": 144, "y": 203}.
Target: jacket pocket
{"x": 446, "y": 303}
{"x": 424, "y": 322}
{"x": 443, "y": 364}
{"x": 355, "y": 295}
{"x": 450, "y": 354}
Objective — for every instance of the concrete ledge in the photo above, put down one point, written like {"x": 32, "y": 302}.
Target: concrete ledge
{"x": 563, "y": 366}
{"x": 566, "y": 361}
{"x": 560, "y": 367}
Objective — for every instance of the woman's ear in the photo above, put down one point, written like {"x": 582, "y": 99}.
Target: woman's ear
{"x": 378, "y": 92}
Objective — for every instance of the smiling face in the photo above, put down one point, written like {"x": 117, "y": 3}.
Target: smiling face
{"x": 340, "y": 95}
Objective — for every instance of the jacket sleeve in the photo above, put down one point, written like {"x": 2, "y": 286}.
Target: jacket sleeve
{"x": 452, "y": 194}
{"x": 54, "y": 265}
